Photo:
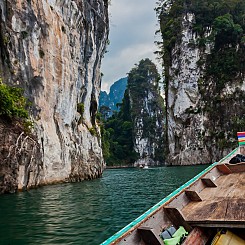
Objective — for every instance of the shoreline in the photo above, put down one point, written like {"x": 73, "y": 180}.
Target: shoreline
{"x": 118, "y": 167}
{"x": 156, "y": 166}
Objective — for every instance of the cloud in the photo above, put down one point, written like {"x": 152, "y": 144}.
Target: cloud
{"x": 132, "y": 27}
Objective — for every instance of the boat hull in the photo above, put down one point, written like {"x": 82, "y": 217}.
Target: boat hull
{"x": 212, "y": 199}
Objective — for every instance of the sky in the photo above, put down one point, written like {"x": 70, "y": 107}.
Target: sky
{"x": 132, "y": 34}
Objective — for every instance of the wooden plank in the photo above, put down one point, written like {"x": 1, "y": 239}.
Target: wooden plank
{"x": 236, "y": 168}
{"x": 158, "y": 221}
{"x": 177, "y": 217}
{"x": 226, "y": 184}
{"x": 193, "y": 196}
{"x": 213, "y": 175}
{"x": 235, "y": 210}
{"x": 221, "y": 206}
{"x": 179, "y": 201}
{"x": 223, "y": 168}
{"x": 237, "y": 190}
{"x": 218, "y": 224}
{"x": 208, "y": 182}
{"x": 227, "y": 212}
{"x": 206, "y": 210}
{"x": 197, "y": 237}
{"x": 215, "y": 209}
{"x": 149, "y": 236}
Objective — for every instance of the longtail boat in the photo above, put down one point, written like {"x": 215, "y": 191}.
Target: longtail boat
{"x": 210, "y": 207}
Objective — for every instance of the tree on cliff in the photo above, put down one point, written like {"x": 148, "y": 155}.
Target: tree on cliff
{"x": 147, "y": 112}
{"x": 142, "y": 102}
{"x": 12, "y": 102}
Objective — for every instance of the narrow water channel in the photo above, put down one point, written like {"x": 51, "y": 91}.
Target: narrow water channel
{"x": 86, "y": 213}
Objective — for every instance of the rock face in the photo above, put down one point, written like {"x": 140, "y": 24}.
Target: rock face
{"x": 147, "y": 112}
{"x": 53, "y": 50}
{"x": 20, "y": 153}
{"x": 184, "y": 130}
{"x": 204, "y": 72}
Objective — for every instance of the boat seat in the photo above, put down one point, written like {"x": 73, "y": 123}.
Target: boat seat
{"x": 208, "y": 182}
{"x": 149, "y": 236}
{"x": 193, "y": 196}
{"x": 177, "y": 218}
{"x": 223, "y": 168}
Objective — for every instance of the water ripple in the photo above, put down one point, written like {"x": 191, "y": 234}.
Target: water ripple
{"x": 89, "y": 212}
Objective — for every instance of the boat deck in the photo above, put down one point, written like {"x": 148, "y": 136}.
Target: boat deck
{"x": 223, "y": 205}
{"x": 212, "y": 199}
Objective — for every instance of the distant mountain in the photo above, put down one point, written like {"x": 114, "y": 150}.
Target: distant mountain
{"x": 115, "y": 96}
{"x": 103, "y": 99}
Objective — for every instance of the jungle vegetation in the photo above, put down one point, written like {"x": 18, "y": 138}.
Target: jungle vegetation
{"x": 219, "y": 25}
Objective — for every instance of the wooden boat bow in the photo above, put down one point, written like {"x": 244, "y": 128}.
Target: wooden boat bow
{"x": 212, "y": 199}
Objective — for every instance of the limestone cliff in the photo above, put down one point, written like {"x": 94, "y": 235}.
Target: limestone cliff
{"x": 53, "y": 50}
{"x": 203, "y": 53}
{"x": 135, "y": 135}
{"x": 147, "y": 113}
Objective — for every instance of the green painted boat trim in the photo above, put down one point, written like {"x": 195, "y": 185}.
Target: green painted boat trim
{"x": 156, "y": 206}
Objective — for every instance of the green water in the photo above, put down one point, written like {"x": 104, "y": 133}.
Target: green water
{"x": 86, "y": 213}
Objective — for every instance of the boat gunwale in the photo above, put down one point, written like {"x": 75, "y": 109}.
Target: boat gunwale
{"x": 154, "y": 209}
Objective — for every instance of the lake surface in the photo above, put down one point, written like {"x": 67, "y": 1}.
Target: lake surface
{"x": 86, "y": 213}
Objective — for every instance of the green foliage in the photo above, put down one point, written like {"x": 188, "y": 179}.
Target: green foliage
{"x": 243, "y": 40}
{"x": 28, "y": 126}
{"x": 6, "y": 40}
{"x": 105, "y": 111}
{"x": 80, "y": 108}
{"x": 12, "y": 102}
{"x": 142, "y": 78}
{"x": 93, "y": 131}
{"x": 226, "y": 31}
{"x": 105, "y": 141}
{"x": 170, "y": 25}
{"x": 223, "y": 66}
{"x": 226, "y": 17}
{"x": 226, "y": 60}
{"x": 117, "y": 136}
